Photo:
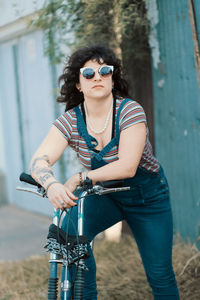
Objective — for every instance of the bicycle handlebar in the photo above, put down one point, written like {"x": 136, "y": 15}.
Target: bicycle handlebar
{"x": 105, "y": 184}
{"x": 111, "y": 183}
{"x": 101, "y": 187}
{"x": 29, "y": 179}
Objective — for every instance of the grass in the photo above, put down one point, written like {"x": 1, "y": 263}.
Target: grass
{"x": 120, "y": 274}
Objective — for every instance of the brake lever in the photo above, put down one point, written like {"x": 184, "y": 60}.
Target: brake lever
{"x": 39, "y": 192}
{"x": 102, "y": 191}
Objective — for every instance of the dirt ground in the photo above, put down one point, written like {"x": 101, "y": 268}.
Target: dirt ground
{"x": 120, "y": 273}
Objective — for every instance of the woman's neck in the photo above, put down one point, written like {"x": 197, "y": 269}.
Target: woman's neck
{"x": 97, "y": 108}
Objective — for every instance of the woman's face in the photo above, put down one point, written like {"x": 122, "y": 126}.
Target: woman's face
{"x": 97, "y": 87}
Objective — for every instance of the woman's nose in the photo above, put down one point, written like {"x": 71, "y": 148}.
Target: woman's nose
{"x": 97, "y": 76}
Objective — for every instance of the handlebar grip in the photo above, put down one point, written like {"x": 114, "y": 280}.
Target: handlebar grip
{"x": 28, "y": 179}
{"x": 111, "y": 183}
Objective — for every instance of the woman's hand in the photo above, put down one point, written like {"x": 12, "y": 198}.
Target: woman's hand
{"x": 61, "y": 196}
{"x": 72, "y": 182}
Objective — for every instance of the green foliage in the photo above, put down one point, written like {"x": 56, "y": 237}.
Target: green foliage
{"x": 58, "y": 20}
{"x": 96, "y": 24}
{"x": 134, "y": 29}
{"x": 121, "y": 24}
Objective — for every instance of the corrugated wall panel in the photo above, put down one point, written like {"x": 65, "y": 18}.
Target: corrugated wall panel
{"x": 177, "y": 112}
{"x": 28, "y": 104}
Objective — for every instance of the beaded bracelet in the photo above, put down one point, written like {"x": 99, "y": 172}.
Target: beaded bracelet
{"x": 48, "y": 185}
{"x": 80, "y": 179}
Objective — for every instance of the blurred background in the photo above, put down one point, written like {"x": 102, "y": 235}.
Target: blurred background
{"x": 158, "y": 42}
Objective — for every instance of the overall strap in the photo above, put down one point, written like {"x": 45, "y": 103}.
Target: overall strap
{"x": 115, "y": 140}
{"x": 117, "y": 131}
{"x": 82, "y": 130}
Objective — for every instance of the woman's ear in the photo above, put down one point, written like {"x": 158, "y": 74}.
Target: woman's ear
{"x": 78, "y": 86}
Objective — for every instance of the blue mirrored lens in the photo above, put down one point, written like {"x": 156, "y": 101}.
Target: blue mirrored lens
{"x": 105, "y": 70}
{"x": 88, "y": 73}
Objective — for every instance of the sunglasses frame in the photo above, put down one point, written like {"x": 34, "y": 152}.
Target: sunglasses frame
{"x": 82, "y": 70}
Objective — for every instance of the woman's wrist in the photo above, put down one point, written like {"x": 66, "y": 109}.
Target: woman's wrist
{"x": 81, "y": 177}
{"x": 49, "y": 184}
{"x": 85, "y": 175}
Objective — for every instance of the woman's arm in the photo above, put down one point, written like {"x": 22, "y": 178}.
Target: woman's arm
{"x": 46, "y": 155}
{"x": 131, "y": 146}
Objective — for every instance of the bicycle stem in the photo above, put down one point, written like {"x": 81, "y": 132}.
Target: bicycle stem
{"x": 81, "y": 213}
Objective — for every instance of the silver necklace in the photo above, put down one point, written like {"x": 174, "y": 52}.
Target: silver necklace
{"x": 105, "y": 124}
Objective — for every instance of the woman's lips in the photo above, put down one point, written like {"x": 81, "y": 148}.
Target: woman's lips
{"x": 97, "y": 86}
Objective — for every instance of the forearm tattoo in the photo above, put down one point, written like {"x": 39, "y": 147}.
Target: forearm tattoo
{"x": 41, "y": 170}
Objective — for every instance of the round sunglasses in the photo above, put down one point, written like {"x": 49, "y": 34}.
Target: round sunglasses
{"x": 104, "y": 71}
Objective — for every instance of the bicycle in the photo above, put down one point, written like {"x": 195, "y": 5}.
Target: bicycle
{"x": 66, "y": 249}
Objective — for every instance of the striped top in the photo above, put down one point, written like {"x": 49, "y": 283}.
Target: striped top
{"x": 132, "y": 113}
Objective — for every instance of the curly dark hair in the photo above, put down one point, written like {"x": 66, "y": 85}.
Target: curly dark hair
{"x": 69, "y": 94}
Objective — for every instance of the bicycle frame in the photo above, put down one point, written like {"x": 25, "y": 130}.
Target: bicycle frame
{"x": 66, "y": 288}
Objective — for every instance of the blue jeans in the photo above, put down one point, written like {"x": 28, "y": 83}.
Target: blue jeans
{"x": 146, "y": 208}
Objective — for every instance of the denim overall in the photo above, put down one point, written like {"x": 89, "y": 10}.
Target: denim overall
{"x": 146, "y": 208}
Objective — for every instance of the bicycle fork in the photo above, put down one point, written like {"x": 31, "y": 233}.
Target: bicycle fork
{"x": 53, "y": 280}
{"x": 79, "y": 282}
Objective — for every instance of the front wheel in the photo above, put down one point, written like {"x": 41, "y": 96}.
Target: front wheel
{"x": 79, "y": 283}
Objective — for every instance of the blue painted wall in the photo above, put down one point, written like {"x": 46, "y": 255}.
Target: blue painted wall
{"x": 177, "y": 108}
{"x": 28, "y": 111}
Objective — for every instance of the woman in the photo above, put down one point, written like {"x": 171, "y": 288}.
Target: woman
{"x": 110, "y": 135}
